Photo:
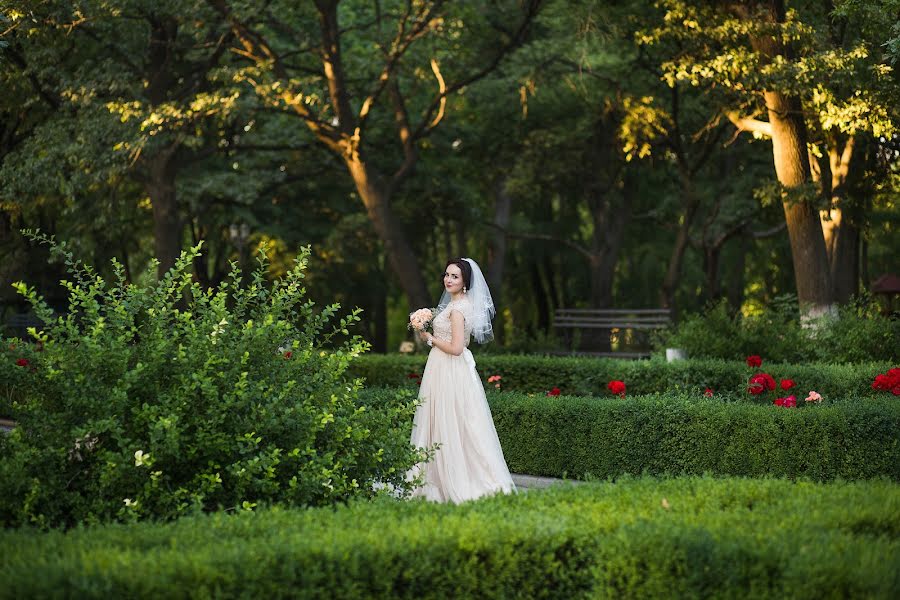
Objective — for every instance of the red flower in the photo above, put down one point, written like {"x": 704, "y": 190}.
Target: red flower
{"x": 889, "y": 382}
{"x": 787, "y": 384}
{"x": 789, "y": 402}
{"x": 22, "y": 362}
{"x": 288, "y": 355}
{"x": 754, "y": 361}
{"x": 554, "y": 392}
{"x": 412, "y": 376}
{"x": 616, "y": 387}
{"x": 761, "y": 382}
{"x": 708, "y": 393}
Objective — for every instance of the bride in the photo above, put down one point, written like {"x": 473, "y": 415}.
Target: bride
{"x": 454, "y": 412}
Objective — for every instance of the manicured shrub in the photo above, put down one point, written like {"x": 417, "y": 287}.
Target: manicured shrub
{"x": 586, "y": 376}
{"x": 152, "y": 401}
{"x": 637, "y": 538}
{"x": 674, "y": 434}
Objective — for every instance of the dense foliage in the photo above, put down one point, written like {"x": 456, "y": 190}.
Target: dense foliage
{"x": 642, "y": 538}
{"x": 154, "y": 401}
{"x": 857, "y": 333}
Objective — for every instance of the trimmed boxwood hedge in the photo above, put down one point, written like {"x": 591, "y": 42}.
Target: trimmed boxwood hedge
{"x": 642, "y": 538}
{"x": 588, "y": 376}
{"x": 676, "y": 434}
{"x": 687, "y": 434}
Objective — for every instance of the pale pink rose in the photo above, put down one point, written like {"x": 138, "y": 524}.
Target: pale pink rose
{"x": 814, "y": 397}
{"x": 420, "y": 319}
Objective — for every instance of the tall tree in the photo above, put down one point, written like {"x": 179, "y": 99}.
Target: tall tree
{"x": 308, "y": 61}
{"x": 774, "y": 61}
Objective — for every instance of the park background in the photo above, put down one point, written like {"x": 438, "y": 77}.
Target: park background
{"x": 587, "y": 154}
{"x": 198, "y": 195}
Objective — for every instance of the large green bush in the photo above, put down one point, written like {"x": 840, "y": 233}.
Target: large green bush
{"x": 150, "y": 402}
{"x": 643, "y": 538}
{"x": 684, "y": 435}
{"x": 589, "y": 376}
{"x": 857, "y": 333}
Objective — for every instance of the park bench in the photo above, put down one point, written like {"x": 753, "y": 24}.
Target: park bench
{"x": 636, "y": 321}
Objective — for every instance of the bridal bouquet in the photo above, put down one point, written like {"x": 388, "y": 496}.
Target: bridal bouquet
{"x": 421, "y": 319}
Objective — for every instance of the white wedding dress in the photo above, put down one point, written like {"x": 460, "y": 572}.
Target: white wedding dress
{"x": 454, "y": 414}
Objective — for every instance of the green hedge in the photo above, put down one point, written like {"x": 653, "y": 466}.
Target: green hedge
{"x": 680, "y": 434}
{"x": 589, "y": 376}
{"x": 671, "y": 434}
{"x": 642, "y": 538}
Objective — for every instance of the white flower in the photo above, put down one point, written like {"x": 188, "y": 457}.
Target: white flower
{"x": 141, "y": 459}
{"x": 130, "y": 502}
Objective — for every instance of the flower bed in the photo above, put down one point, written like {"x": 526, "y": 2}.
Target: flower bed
{"x": 641, "y": 538}
{"x": 591, "y": 376}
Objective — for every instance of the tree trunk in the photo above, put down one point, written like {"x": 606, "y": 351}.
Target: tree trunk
{"x": 811, "y": 270}
{"x": 379, "y": 321}
{"x": 399, "y": 253}
{"x": 840, "y": 231}
{"x": 496, "y": 259}
{"x": 167, "y": 224}
{"x": 735, "y": 281}
{"x": 673, "y": 273}
{"x": 791, "y": 157}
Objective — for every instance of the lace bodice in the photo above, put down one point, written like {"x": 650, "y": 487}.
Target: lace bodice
{"x": 441, "y": 323}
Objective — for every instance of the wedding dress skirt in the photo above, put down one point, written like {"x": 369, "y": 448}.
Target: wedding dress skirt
{"x": 454, "y": 414}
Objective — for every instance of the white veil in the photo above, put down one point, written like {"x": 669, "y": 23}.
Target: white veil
{"x": 480, "y": 297}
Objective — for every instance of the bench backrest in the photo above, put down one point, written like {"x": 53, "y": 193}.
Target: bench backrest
{"x": 613, "y": 318}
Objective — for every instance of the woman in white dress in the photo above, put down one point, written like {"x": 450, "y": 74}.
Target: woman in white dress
{"x": 454, "y": 412}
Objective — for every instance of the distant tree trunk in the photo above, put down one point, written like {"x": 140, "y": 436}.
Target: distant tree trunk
{"x": 378, "y": 315}
{"x": 541, "y": 297}
{"x": 682, "y": 238}
{"x": 735, "y": 285}
{"x": 168, "y": 225}
{"x": 399, "y": 253}
{"x": 496, "y": 259}
{"x": 840, "y": 231}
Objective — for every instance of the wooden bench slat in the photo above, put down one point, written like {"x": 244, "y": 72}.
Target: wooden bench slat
{"x": 614, "y": 311}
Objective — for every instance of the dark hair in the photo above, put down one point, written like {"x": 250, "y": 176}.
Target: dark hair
{"x": 466, "y": 269}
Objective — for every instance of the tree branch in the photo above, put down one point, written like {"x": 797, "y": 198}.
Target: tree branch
{"x": 427, "y": 123}
{"x": 750, "y": 124}
{"x": 542, "y": 236}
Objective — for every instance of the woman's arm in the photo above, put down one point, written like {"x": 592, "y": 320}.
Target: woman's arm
{"x": 456, "y": 345}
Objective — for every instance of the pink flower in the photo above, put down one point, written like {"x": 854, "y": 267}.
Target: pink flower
{"x": 813, "y": 397}
{"x": 494, "y": 378}
{"x": 420, "y": 319}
